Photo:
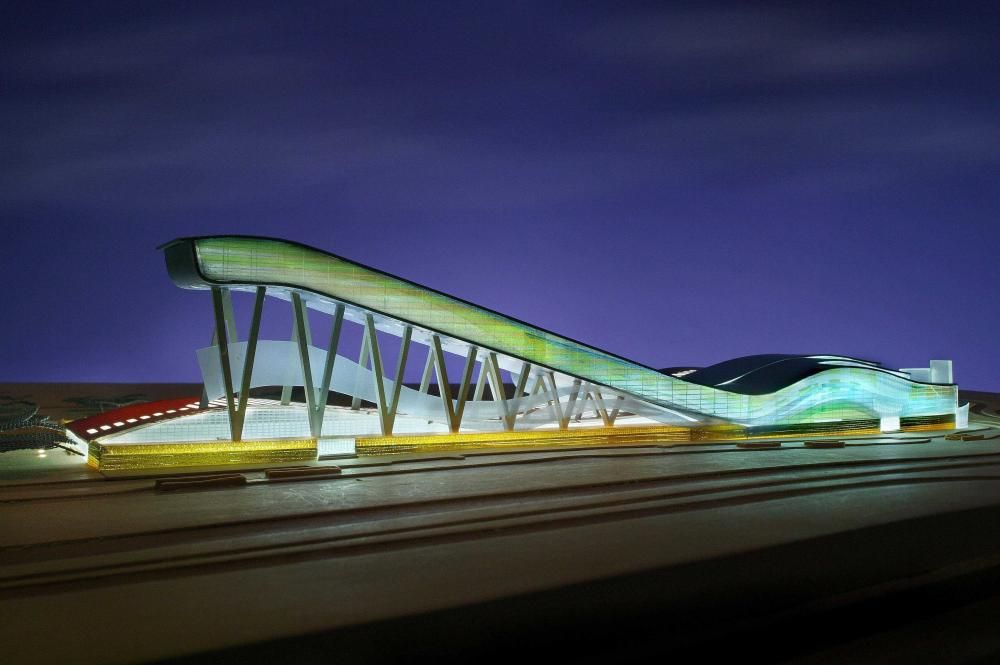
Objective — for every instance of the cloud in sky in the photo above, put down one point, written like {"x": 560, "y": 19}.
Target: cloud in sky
{"x": 759, "y": 44}
{"x": 210, "y": 110}
{"x": 661, "y": 139}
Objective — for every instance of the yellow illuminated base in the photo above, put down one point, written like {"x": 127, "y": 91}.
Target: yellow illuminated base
{"x": 134, "y": 457}
{"x": 151, "y": 456}
{"x": 395, "y": 445}
{"x": 613, "y": 436}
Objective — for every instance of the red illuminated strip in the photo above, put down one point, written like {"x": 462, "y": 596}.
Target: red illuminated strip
{"x": 129, "y": 416}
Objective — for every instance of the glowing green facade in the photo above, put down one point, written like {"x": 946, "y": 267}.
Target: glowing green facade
{"x": 836, "y": 394}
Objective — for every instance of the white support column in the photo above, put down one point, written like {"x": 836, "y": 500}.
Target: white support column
{"x": 227, "y": 370}
{"x": 520, "y": 387}
{"x": 286, "y": 391}
{"x": 614, "y": 413}
{"x": 589, "y": 397}
{"x": 227, "y": 309}
{"x": 480, "y": 382}
{"x": 323, "y": 393}
{"x": 492, "y": 367}
{"x": 300, "y": 316}
{"x": 378, "y": 376}
{"x": 363, "y": 364}
{"x": 425, "y": 378}
{"x": 554, "y": 396}
{"x": 540, "y": 386}
{"x": 442, "y": 379}
{"x": 571, "y": 405}
{"x": 244, "y": 394}
{"x": 601, "y": 409}
{"x": 581, "y": 404}
{"x": 521, "y": 380}
{"x": 463, "y": 386}
{"x": 404, "y": 350}
{"x": 203, "y": 403}
{"x": 522, "y": 383}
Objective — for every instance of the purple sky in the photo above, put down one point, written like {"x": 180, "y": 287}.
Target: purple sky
{"x": 677, "y": 183}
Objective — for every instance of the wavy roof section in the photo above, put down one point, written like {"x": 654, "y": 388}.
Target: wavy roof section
{"x": 769, "y": 372}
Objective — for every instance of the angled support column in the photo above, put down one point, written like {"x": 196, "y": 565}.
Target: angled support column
{"x": 286, "y": 391}
{"x": 425, "y": 378}
{"x": 301, "y": 326}
{"x": 363, "y": 359}
{"x": 520, "y": 387}
{"x": 203, "y": 402}
{"x": 463, "y": 387}
{"x": 397, "y": 385}
{"x": 581, "y": 407}
{"x": 554, "y": 396}
{"x": 492, "y": 368}
{"x": 323, "y": 391}
{"x": 590, "y": 402}
{"x": 614, "y": 413}
{"x": 542, "y": 387}
{"x": 378, "y": 375}
{"x": 442, "y": 378}
{"x": 602, "y": 410}
{"x": 227, "y": 309}
{"x": 244, "y": 394}
{"x": 316, "y": 396}
{"x": 571, "y": 405}
{"x": 522, "y": 379}
{"x": 477, "y": 395}
{"x": 453, "y": 410}
{"x": 227, "y": 370}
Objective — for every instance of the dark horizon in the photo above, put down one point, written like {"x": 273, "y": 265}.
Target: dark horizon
{"x": 678, "y": 185}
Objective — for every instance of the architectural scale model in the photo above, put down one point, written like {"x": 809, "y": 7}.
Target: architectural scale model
{"x": 517, "y": 384}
